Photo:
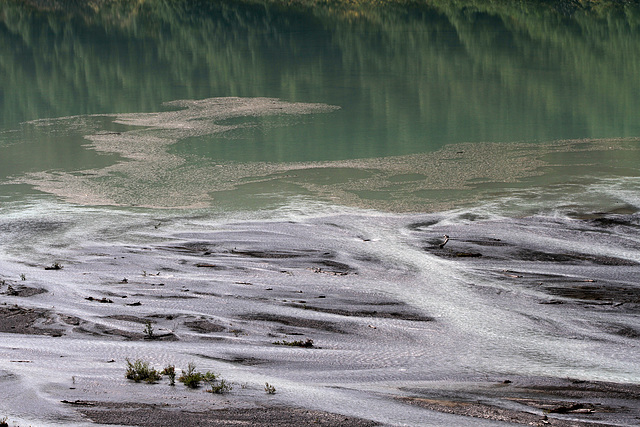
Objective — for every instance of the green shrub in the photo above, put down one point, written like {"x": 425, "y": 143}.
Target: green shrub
{"x": 170, "y": 371}
{"x": 209, "y": 377}
{"x": 140, "y": 371}
{"x": 219, "y": 387}
{"x": 148, "y": 330}
{"x": 216, "y": 385}
{"x": 190, "y": 377}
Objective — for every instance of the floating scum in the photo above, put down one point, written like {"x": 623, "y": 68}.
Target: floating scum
{"x": 149, "y": 174}
{"x": 152, "y": 174}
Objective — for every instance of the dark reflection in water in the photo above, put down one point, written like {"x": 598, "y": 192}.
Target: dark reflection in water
{"x": 409, "y": 79}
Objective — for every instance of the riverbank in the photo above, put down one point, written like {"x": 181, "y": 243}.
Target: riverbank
{"x": 527, "y": 320}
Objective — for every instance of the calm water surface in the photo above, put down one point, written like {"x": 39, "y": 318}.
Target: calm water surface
{"x": 403, "y": 85}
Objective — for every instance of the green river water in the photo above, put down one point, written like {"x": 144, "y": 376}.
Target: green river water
{"x": 416, "y": 107}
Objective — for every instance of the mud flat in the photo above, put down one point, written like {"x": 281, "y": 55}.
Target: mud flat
{"x": 356, "y": 320}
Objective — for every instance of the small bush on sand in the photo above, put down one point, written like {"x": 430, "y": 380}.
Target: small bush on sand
{"x": 190, "y": 377}
{"x": 140, "y": 371}
{"x": 216, "y": 385}
{"x": 219, "y": 387}
{"x": 170, "y": 371}
{"x": 148, "y": 330}
{"x": 269, "y": 389}
{"x": 209, "y": 377}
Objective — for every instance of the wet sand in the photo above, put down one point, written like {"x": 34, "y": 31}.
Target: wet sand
{"x": 230, "y": 296}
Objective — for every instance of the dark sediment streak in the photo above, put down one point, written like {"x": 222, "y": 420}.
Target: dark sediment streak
{"x": 154, "y": 416}
{"x": 537, "y": 401}
{"x": 29, "y": 321}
